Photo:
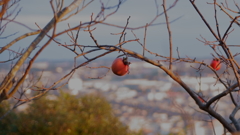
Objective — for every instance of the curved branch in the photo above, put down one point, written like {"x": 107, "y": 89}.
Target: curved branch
{"x": 180, "y": 82}
{"x": 224, "y": 93}
{"x": 220, "y": 119}
{"x": 231, "y": 117}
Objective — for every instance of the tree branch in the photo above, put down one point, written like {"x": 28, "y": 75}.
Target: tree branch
{"x": 33, "y": 45}
{"x": 232, "y": 118}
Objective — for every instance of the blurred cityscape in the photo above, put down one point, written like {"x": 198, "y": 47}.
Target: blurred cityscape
{"x": 146, "y": 98}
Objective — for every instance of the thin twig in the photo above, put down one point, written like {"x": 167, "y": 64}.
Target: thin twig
{"x": 144, "y": 39}
{"x": 169, "y": 34}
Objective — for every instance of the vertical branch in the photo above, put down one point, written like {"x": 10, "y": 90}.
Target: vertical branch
{"x": 4, "y": 7}
{"x": 120, "y": 39}
{"x": 233, "y": 100}
{"x": 144, "y": 40}
{"x": 77, "y": 37}
{"x": 216, "y": 20}
{"x": 169, "y": 33}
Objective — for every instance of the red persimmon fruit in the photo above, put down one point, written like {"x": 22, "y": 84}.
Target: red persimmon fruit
{"x": 216, "y": 64}
{"x": 120, "y": 66}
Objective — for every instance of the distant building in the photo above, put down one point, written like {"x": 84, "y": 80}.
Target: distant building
{"x": 75, "y": 85}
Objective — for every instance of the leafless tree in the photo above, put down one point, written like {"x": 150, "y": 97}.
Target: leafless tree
{"x": 12, "y": 82}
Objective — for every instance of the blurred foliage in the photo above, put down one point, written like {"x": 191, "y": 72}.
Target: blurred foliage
{"x": 67, "y": 114}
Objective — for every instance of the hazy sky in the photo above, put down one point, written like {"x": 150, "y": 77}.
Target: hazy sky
{"x": 184, "y": 31}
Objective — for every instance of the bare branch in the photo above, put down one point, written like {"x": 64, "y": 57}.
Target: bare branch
{"x": 18, "y": 39}
{"x": 33, "y": 45}
{"x": 169, "y": 34}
